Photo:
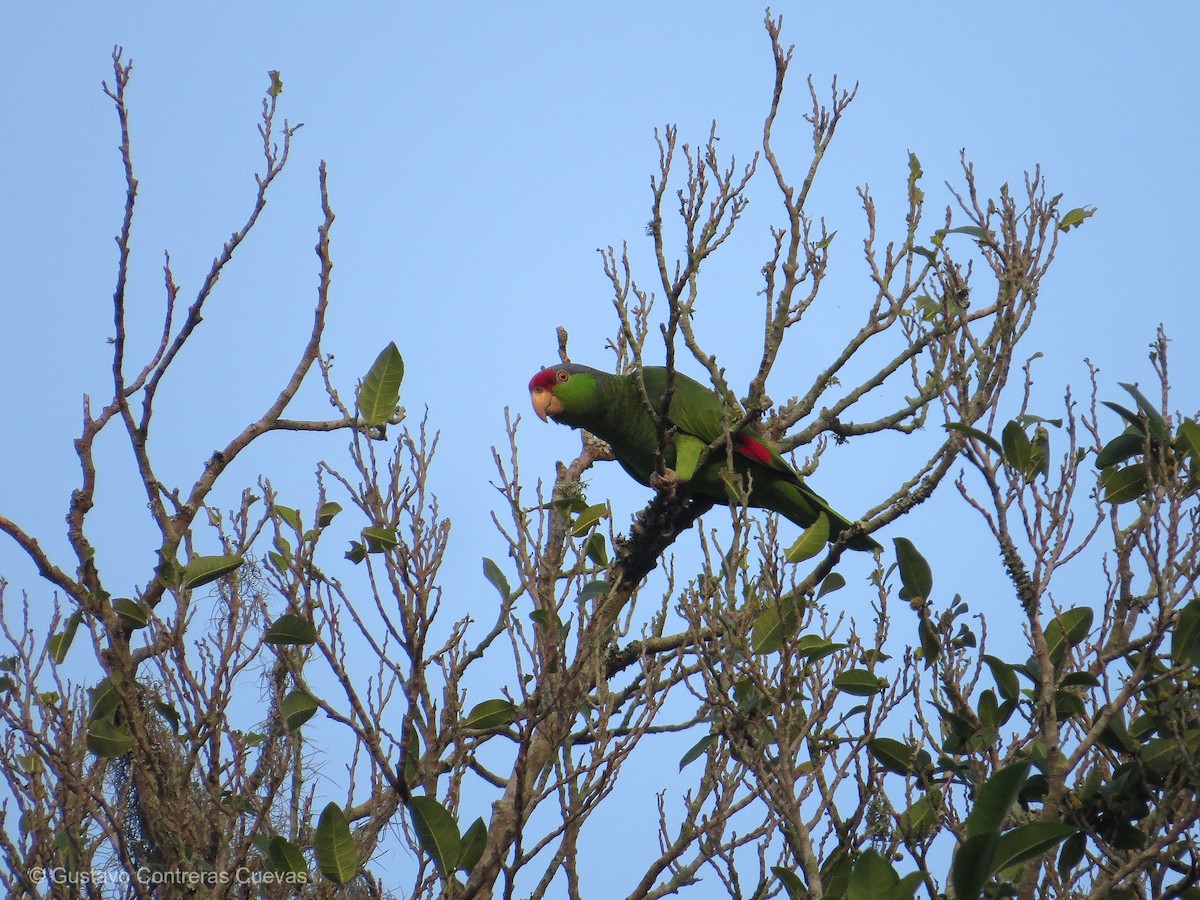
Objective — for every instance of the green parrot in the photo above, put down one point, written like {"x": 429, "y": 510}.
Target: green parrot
{"x": 610, "y": 407}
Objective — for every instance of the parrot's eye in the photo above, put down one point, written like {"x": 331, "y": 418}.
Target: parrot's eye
{"x": 562, "y": 376}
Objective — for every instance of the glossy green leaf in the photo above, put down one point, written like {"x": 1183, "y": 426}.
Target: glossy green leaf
{"x": 297, "y": 708}
{"x": 811, "y": 542}
{"x": 859, "y": 683}
{"x": 589, "y": 517}
{"x": 437, "y": 832}
{"x": 916, "y": 577}
{"x": 289, "y": 515}
{"x": 981, "y": 436}
{"x": 1067, "y": 630}
{"x": 920, "y": 820}
{"x": 1005, "y": 676}
{"x": 290, "y": 629}
{"x": 1156, "y": 425}
{"x": 931, "y": 645}
{"x": 201, "y": 570}
{"x": 59, "y": 643}
{"x": 834, "y": 581}
{"x": 1072, "y": 853}
{"x": 285, "y": 857}
{"x": 1075, "y": 217}
{"x": 791, "y": 882}
{"x": 697, "y": 750}
{"x": 1018, "y": 451}
{"x": 871, "y": 878}
{"x": 327, "y": 512}
{"x": 1124, "y": 485}
{"x": 995, "y": 798}
{"x": 474, "y": 842}
{"x": 379, "y": 393}
{"x": 495, "y": 575}
{"x": 490, "y": 714}
{"x": 334, "y": 846}
{"x": 107, "y": 740}
{"x": 131, "y": 613}
{"x": 379, "y": 539}
{"x": 1028, "y": 841}
{"x": 894, "y": 756}
{"x": 973, "y": 865}
{"x": 813, "y": 647}
{"x": 1185, "y": 637}
{"x": 597, "y": 550}
{"x": 1120, "y": 448}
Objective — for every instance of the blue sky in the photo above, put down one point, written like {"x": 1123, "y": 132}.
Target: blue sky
{"x": 479, "y": 155}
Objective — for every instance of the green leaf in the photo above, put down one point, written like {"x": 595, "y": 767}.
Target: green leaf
{"x": 931, "y": 646}
{"x": 1018, "y": 451}
{"x": 276, "y": 86}
{"x": 1067, "y": 630}
{"x": 597, "y": 550}
{"x": 1120, "y": 448}
{"x": 379, "y": 539}
{"x": 920, "y": 820}
{"x": 995, "y": 798}
{"x": 285, "y": 857}
{"x": 1123, "y": 485}
{"x": 474, "y": 842}
{"x": 1028, "y": 841}
{"x": 791, "y": 882}
{"x": 297, "y": 708}
{"x": 972, "y": 865}
{"x": 491, "y": 714}
{"x": 1156, "y": 425}
{"x": 437, "y": 832}
{"x": 592, "y": 589}
{"x": 697, "y": 750}
{"x": 495, "y": 575}
{"x": 1072, "y": 853}
{"x": 289, "y": 515}
{"x": 379, "y": 393}
{"x": 833, "y": 582}
{"x": 107, "y": 740}
{"x": 357, "y": 552}
{"x": 1005, "y": 677}
{"x": 895, "y": 756}
{"x": 1185, "y": 637}
{"x": 326, "y": 513}
{"x": 981, "y": 235}
{"x": 131, "y": 613}
{"x": 1075, "y": 217}
{"x": 334, "y": 846}
{"x": 859, "y": 683}
{"x": 290, "y": 629}
{"x": 200, "y": 570}
{"x": 813, "y": 647}
{"x": 58, "y": 644}
{"x": 811, "y": 542}
{"x": 871, "y": 878}
{"x": 981, "y": 436}
{"x": 589, "y": 517}
{"x": 916, "y": 577}
{"x": 767, "y": 633}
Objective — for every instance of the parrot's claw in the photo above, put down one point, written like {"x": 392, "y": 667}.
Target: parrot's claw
{"x": 666, "y": 482}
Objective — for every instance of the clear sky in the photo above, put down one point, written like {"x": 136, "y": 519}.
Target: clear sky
{"x": 478, "y": 156}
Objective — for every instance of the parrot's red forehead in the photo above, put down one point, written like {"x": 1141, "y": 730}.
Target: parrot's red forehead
{"x": 543, "y": 379}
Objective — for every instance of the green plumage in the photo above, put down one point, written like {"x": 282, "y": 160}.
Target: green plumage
{"x": 610, "y": 407}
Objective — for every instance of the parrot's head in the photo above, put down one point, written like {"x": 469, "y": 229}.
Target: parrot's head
{"x": 563, "y": 393}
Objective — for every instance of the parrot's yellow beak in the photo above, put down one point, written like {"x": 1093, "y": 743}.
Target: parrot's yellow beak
{"x": 545, "y": 403}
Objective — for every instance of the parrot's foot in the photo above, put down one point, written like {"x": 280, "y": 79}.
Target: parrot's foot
{"x": 666, "y": 482}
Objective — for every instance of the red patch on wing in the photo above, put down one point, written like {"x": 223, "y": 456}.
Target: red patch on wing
{"x": 543, "y": 379}
{"x": 750, "y": 447}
